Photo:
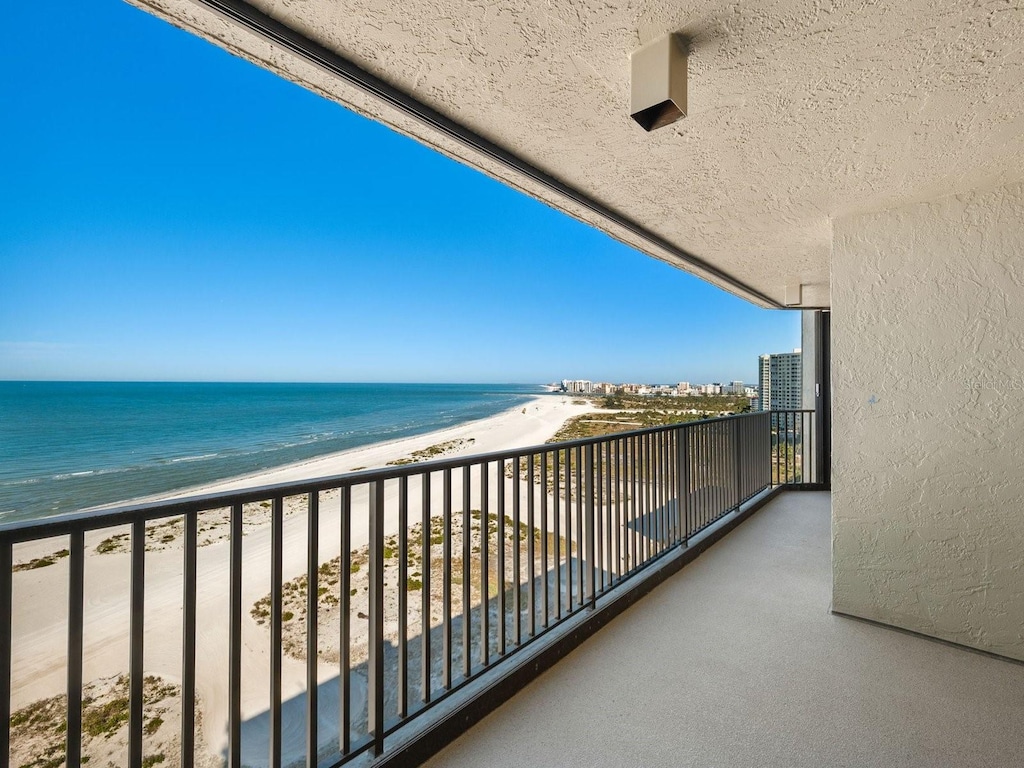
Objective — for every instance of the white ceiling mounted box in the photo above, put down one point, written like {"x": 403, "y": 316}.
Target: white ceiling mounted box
{"x": 658, "y": 83}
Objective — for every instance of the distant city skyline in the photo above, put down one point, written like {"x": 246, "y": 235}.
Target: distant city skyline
{"x": 173, "y": 213}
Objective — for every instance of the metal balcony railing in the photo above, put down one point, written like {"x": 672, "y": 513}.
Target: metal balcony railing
{"x": 442, "y": 571}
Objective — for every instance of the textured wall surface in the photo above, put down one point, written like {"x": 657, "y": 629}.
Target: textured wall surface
{"x": 799, "y": 110}
{"x": 928, "y": 404}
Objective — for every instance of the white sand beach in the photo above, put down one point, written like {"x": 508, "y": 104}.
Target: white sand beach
{"x": 40, "y": 594}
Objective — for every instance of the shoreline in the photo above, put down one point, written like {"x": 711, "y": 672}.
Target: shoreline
{"x": 500, "y": 430}
{"x": 104, "y": 457}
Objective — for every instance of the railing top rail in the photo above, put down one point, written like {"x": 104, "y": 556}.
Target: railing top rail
{"x": 59, "y": 525}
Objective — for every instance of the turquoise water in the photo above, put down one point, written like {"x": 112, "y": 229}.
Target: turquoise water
{"x": 66, "y": 446}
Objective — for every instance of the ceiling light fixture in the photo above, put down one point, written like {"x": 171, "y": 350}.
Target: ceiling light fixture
{"x": 658, "y": 83}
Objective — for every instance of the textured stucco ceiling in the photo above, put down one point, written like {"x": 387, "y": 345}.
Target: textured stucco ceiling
{"x": 799, "y": 111}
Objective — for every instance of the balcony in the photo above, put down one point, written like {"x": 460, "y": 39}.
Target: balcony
{"x": 181, "y": 629}
{"x": 737, "y": 661}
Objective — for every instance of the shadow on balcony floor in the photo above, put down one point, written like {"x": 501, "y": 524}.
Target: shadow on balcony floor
{"x": 736, "y": 661}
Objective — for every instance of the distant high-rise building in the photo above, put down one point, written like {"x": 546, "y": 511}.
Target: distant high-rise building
{"x": 582, "y": 386}
{"x": 781, "y": 382}
{"x": 736, "y": 388}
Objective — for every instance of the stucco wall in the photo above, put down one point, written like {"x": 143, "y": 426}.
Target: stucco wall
{"x": 928, "y": 408}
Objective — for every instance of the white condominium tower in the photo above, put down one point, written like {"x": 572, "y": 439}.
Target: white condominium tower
{"x": 781, "y": 382}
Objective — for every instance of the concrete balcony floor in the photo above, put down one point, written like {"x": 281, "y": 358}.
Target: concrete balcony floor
{"x": 736, "y": 661}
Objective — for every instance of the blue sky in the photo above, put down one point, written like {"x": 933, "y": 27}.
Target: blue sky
{"x": 170, "y": 212}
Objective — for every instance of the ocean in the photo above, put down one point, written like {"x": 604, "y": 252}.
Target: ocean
{"x": 66, "y": 446}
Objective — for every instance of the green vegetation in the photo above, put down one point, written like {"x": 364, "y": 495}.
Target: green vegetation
{"x": 629, "y": 412}
{"x": 106, "y": 719}
{"x": 39, "y": 730}
{"x": 709, "y": 403}
{"x": 421, "y": 562}
{"x": 433, "y": 451}
{"x": 112, "y": 544}
{"x": 41, "y": 562}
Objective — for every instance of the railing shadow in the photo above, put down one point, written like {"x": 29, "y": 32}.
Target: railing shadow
{"x": 255, "y": 731}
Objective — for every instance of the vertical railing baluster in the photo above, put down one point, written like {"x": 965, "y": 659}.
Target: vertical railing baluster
{"x": 677, "y": 528}
{"x": 591, "y": 589}
{"x": 556, "y": 525}
{"x": 188, "y": 641}
{"x": 790, "y": 446}
{"x": 499, "y": 479}
{"x": 375, "y": 650}
{"x": 467, "y": 572}
{"x": 403, "y": 597}
{"x": 654, "y": 482}
{"x": 721, "y": 466}
{"x": 677, "y": 533}
{"x": 786, "y": 451}
{"x": 738, "y": 453}
{"x": 791, "y": 418}
{"x": 699, "y": 497}
{"x": 517, "y": 596}
{"x": 485, "y": 543}
{"x": 648, "y": 508}
{"x": 743, "y": 428}
{"x": 707, "y": 462}
{"x": 634, "y": 480}
{"x": 709, "y": 474}
{"x": 581, "y": 545}
{"x": 345, "y": 621}
{"x": 621, "y": 556}
{"x": 713, "y": 453}
{"x": 686, "y": 495}
{"x": 6, "y": 648}
{"x": 617, "y": 470}
{"x": 645, "y": 496}
{"x": 276, "y": 621}
{"x": 708, "y": 477}
{"x": 531, "y": 587}
{"x": 606, "y": 476}
{"x": 808, "y": 457}
{"x": 645, "y": 484}
{"x": 76, "y": 616}
{"x": 235, "y": 639}
{"x": 668, "y": 487}
{"x": 659, "y": 490}
{"x": 718, "y": 450}
{"x": 136, "y": 631}
{"x": 777, "y": 449}
{"x": 609, "y": 532}
{"x": 545, "y": 568}
{"x": 570, "y": 541}
{"x": 671, "y": 484}
{"x": 801, "y": 437}
{"x": 749, "y": 447}
{"x": 779, "y": 470}
{"x": 650, "y": 497}
{"x": 312, "y": 617}
{"x": 598, "y": 525}
{"x": 426, "y": 680}
{"x": 446, "y": 575}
